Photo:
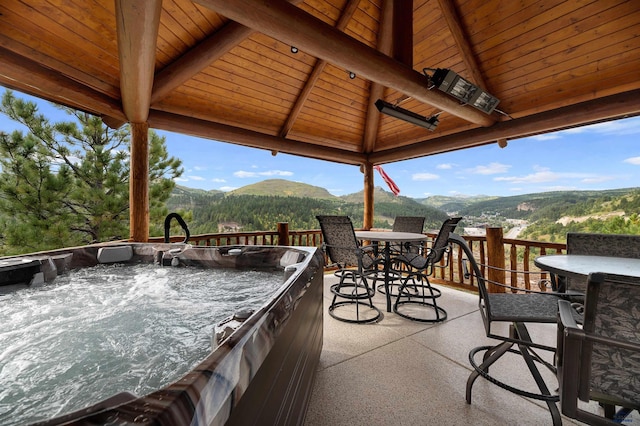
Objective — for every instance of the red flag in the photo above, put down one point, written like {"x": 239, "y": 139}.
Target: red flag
{"x": 392, "y": 185}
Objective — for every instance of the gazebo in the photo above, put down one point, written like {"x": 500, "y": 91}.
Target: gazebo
{"x": 361, "y": 82}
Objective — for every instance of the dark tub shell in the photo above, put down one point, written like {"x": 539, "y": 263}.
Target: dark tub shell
{"x": 261, "y": 374}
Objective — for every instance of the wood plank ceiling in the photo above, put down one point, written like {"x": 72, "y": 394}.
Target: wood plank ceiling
{"x": 225, "y": 70}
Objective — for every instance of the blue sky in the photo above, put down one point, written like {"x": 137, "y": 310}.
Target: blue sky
{"x": 601, "y": 156}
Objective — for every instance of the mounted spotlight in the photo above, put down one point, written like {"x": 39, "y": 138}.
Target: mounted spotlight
{"x": 294, "y": 49}
{"x": 419, "y": 120}
{"x": 352, "y": 74}
{"x": 450, "y": 82}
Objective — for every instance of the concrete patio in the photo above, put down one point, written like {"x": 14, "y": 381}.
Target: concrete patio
{"x": 401, "y": 372}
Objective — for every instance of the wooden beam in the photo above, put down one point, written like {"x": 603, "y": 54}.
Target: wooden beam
{"x": 385, "y": 44}
{"x": 347, "y": 13}
{"x": 53, "y": 86}
{"x": 294, "y": 26}
{"x": 200, "y": 57}
{"x": 139, "y": 183}
{"x": 457, "y": 31}
{"x": 604, "y": 109}
{"x": 239, "y": 136}
{"x": 403, "y": 31}
{"x": 137, "y": 25}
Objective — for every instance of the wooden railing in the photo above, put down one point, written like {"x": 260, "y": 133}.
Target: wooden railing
{"x": 516, "y": 267}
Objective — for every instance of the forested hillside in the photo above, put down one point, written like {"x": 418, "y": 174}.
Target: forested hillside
{"x": 546, "y": 216}
{"x": 209, "y": 212}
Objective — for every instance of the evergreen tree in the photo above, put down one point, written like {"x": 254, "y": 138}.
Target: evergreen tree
{"x": 67, "y": 183}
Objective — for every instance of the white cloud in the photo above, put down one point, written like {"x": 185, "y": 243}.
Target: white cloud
{"x": 227, "y": 188}
{"x": 633, "y": 160}
{"x": 546, "y": 137}
{"x": 218, "y": 180}
{"x": 199, "y": 178}
{"x": 543, "y": 175}
{"x": 491, "y": 169}
{"x": 617, "y": 127}
{"x": 181, "y": 179}
{"x": 245, "y": 174}
{"x": 597, "y": 179}
{"x": 199, "y": 168}
{"x": 445, "y": 166}
{"x": 424, "y": 176}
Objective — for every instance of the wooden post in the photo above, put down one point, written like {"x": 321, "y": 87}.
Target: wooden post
{"x": 495, "y": 259}
{"x": 367, "y": 169}
{"x": 139, "y": 183}
{"x": 283, "y": 233}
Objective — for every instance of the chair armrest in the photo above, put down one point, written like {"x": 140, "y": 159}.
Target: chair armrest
{"x": 565, "y": 311}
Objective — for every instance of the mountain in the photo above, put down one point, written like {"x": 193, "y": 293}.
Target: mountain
{"x": 379, "y": 195}
{"x": 284, "y": 188}
{"x": 544, "y": 204}
{"x": 549, "y": 215}
{"x": 455, "y": 203}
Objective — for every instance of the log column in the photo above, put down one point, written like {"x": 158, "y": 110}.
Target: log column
{"x": 367, "y": 169}
{"x": 283, "y": 233}
{"x": 495, "y": 259}
{"x": 139, "y": 183}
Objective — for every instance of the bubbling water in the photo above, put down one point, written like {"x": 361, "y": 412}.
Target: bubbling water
{"x": 103, "y": 330}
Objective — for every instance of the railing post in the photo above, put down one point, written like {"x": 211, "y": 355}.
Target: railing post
{"x": 495, "y": 259}
{"x": 283, "y": 233}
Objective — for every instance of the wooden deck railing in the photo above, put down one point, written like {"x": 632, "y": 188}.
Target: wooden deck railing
{"x": 516, "y": 265}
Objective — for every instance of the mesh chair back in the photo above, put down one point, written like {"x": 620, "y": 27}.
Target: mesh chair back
{"x": 611, "y": 312}
{"x": 482, "y": 286}
{"x": 627, "y": 246}
{"x": 340, "y": 239}
{"x": 413, "y": 224}
{"x": 441, "y": 243}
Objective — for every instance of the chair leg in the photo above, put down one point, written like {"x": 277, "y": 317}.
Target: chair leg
{"x": 518, "y": 332}
{"x": 417, "y": 291}
{"x": 492, "y": 354}
{"x": 359, "y": 293}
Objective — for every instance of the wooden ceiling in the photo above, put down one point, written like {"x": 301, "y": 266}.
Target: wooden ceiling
{"x": 225, "y": 70}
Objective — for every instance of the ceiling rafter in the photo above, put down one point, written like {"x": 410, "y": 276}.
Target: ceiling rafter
{"x": 460, "y": 38}
{"x": 345, "y": 17}
{"x": 200, "y": 57}
{"x": 293, "y": 26}
{"x": 376, "y": 91}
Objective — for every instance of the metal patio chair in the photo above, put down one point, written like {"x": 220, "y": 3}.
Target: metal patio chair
{"x": 600, "y": 361}
{"x": 518, "y": 310}
{"x": 355, "y": 264}
{"x": 416, "y": 299}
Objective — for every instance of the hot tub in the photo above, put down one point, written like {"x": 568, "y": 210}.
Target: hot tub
{"x": 262, "y": 369}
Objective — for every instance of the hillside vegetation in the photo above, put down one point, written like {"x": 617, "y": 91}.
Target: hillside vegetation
{"x": 250, "y": 209}
{"x": 547, "y": 216}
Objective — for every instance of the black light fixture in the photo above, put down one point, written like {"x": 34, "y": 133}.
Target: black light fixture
{"x": 352, "y": 74}
{"x": 465, "y": 91}
{"x": 403, "y": 114}
{"x": 294, "y": 49}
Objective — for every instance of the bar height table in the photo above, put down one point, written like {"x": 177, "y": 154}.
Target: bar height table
{"x": 580, "y": 266}
{"x": 388, "y": 238}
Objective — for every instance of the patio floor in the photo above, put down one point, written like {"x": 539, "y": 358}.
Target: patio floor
{"x": 402, "y": 372}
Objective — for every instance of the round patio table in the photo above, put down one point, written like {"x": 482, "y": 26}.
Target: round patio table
{"x": 388, "y": 238}
{"x": 580, "y": 266}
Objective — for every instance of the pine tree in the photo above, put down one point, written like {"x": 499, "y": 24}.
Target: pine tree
{"x": 67, "y": 183}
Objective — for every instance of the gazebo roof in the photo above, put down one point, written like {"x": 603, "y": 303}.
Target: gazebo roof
{"x": 226, "y": 70}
